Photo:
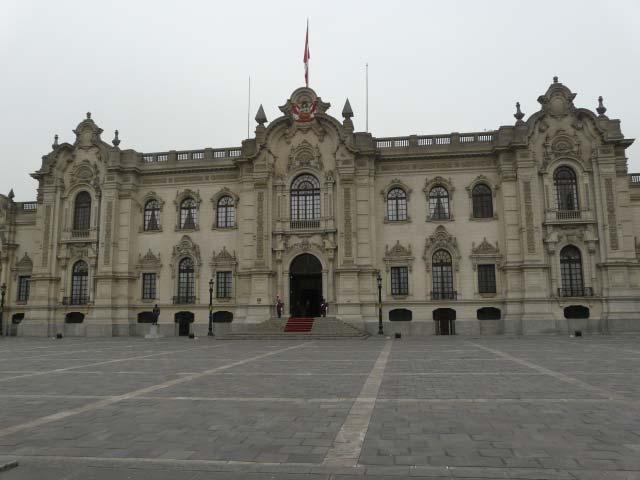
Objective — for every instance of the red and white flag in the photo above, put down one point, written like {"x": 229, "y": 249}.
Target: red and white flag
{"x": 306, "y": 57}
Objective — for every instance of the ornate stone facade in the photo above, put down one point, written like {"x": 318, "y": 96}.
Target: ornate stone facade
{"x": 528, "y": 220}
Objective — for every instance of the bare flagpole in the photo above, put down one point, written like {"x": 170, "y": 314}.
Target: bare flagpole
{"x": 366, "y": 87}
{"x": 249, "y": 107}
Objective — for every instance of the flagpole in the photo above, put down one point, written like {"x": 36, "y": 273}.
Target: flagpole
{"x": 249, "y": 106}
{"x": 366, "y": 87}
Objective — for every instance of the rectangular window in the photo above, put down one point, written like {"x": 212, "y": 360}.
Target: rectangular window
{"x": 223, "y": 284}
{"x": 487, "y": 278}
{"x": 24, "y": 283}
{"x": 399, "y": 281}
{"x": 148, "y": 286}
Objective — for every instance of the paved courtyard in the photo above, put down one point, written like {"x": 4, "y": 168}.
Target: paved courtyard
{"x": 447, "y": 407}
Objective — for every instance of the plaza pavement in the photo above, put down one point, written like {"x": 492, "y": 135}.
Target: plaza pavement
{"x": 545, "y": 407}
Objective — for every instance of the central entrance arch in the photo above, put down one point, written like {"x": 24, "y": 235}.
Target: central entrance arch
{"x": 305, "y": 286}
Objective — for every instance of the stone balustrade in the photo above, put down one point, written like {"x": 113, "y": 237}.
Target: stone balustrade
{"x": 190, "y": 155}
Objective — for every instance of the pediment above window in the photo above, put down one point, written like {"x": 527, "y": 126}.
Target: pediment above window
{"x": 441, "y": 239}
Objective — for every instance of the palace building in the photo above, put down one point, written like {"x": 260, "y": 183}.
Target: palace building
{"x": 529, "y": 228}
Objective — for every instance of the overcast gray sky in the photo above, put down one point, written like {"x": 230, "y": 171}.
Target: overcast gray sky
{"x": 173, "y": 75}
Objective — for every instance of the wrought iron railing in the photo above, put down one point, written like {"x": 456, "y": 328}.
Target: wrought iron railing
{"x": 76, "y": 300}
{"x": 83, "y": 233}
{"x": 184, "y": 299}
{"x": 444, "y": 295}
{"x": 305, "y": 224}
{"x": 568, "y": 214}
{"x": 575, "y": 292}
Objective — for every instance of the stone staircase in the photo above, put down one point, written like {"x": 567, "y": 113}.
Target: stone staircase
{"x": 274, "y": 329}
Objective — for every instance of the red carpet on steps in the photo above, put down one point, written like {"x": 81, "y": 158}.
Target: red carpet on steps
{"x": 299, "y": 324}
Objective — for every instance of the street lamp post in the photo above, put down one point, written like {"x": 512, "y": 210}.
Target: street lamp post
{"x": 210, "y": 332}
{"x": 3, "y": 292}
{"x": 379, "y": 280}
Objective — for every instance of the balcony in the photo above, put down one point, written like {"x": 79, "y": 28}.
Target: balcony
{"x": 76, "y": 300}
{"x": 184, "y": 299}
{"x": 568, "y": 216}
{"x": 84, "y": 233}
{"x": 311, "y": 224}
{"x": 575, "y": 292}
{"x": 444, "y": 295}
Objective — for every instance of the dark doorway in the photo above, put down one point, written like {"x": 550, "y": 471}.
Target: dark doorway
{"x": 400, "y": 315}
{"x": 74, "y": 317}
{"x": 576, "y": 311}
{"x": 146, "y": 317}
{"x": 184, "y": 319}
{"x": 305, "y": 286}
{"x": 223, "y": 317}
{"x": 488, "y": 313}
{"x": 445, "y": 321}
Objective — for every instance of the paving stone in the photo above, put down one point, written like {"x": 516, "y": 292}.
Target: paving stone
{"x": 511, "y": 407}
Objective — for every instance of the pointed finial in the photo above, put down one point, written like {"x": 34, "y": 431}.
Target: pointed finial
{"x": 261, "y": 118}
{"x": 555, "y": 79}
{"x": 116, "y": 140}
{"x": 88, "y": 115}
{"x": 11, "y": 194}
{"x": 518, "y": 115}
{"x": 347, "y": 112}
{"x": 54, "y": 145}
{"x": 601, "y": 108}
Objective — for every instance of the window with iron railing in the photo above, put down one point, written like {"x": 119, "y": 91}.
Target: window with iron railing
{"x": 305, "y": 202}
{"x": 399, "y": 281}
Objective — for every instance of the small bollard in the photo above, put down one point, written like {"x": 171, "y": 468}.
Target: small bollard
{"x": 58, "y": 336}
{"x": 398, "y": 335}
{"x": 578, "y": 333}
{"x": 192, "y": 336}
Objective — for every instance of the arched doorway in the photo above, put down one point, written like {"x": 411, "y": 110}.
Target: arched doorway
{"x": 445, "y": 321}
{"x": 184, "y": 321}
{"x": 305, "y": 286}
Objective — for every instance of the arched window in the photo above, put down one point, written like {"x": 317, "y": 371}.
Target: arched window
{"x": 186, "y": 281}
{"x": 80, "y": 283}
{"x": 188, "y": 209}
{"x": 571, "y": 272}
{"x": 564, "y": 179}
{"x": 442, "y": 270}
{"x": 152, "y": 215}
{"x": 226, "y": 214}
{"x": 438, "y": 204}
{"x": 82, "y": 212}
{"x": 305, "y": 201}
{"x": 396, "y": 205}
{"x": 482, "y": 201}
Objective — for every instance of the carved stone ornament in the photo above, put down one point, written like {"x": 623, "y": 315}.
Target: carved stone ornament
{"x": 24, "y": 266}
{"x": 151, "y": 196}
{"x": 223, "y": 258}
{"x": 398, "y": 255}
{"x": 84, "y": 172}
{"x": 87, "y": 134}
{"x": 187, "y": 193}
{"x": 149, "y": 262}
{"x": 303, "y": 246}
{"x": 303, "y": 108}
{"x": 396, "y": 183}
{"x": 224, "y": 192}
{"x": 438, "y": 182}
{"x": 484, "y": 248}
{"x": 77, "y": 251}
{"x": 185, "y": 248}
{"x": 561, "y": 145}
{"x": 557, "y": 102}
{"x": 481, "y": 179}
{"x": 305, "y": 155}
{"x": 441, "y": 239}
